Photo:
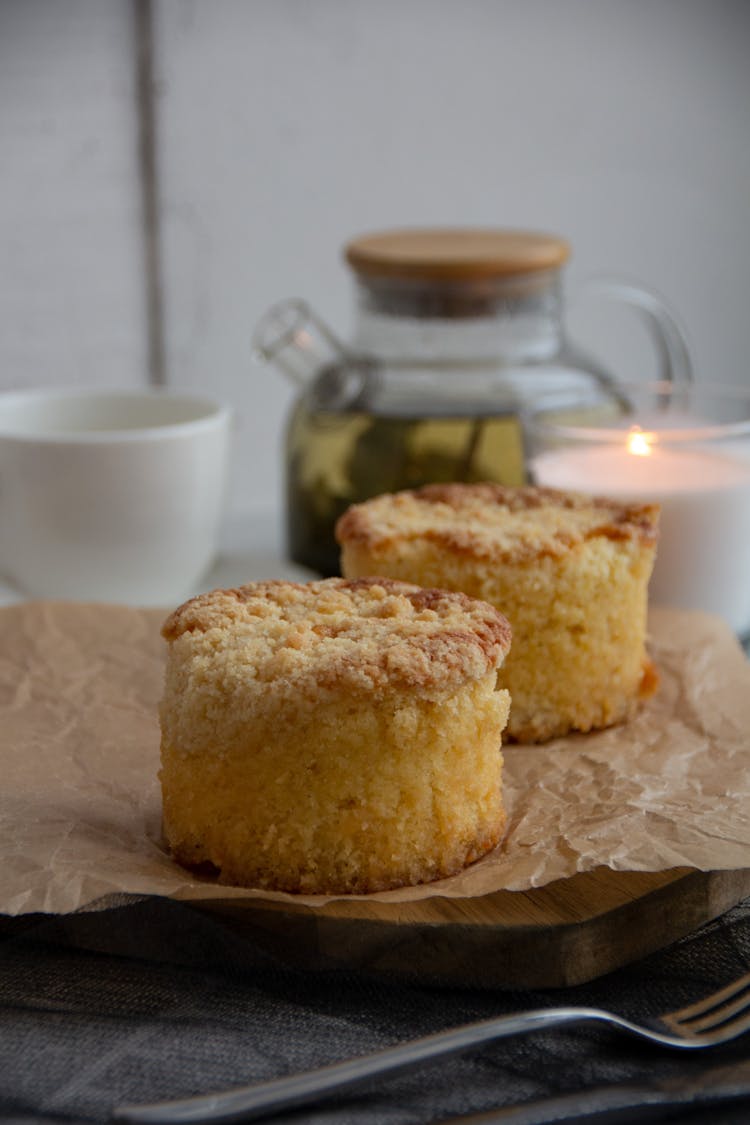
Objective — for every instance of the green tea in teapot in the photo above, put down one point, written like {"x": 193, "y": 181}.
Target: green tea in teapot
{"x": 336, "y": 459}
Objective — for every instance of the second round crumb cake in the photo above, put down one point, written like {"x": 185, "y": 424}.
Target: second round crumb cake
{"x": 334, "y": 737}
{"x": 569, "y": 571}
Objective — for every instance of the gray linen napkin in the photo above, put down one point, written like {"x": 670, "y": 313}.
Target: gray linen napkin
{"x": 153, "y": 999}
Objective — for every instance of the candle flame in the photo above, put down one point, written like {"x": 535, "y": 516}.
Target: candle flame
{"x": 639, "y": 443}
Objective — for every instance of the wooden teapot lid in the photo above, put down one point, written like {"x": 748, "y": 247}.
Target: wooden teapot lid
{"x": 455, "y": 254}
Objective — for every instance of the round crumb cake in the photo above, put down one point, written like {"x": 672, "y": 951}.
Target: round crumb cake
{"x": 333, "y": 737}
{"x": 570, "y": 572}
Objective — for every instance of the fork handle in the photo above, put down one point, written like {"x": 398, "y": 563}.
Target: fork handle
{"x": 247, "y": 1102}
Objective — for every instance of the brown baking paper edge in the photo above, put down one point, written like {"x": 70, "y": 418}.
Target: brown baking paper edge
{"x": 80, "y": 810}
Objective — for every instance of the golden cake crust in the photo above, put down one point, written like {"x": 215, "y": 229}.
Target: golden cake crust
{"x": 354, "y": 635}
{"x": 336, "y": 737}
{"x": 494, "y": 523}
{"x": 570, "y": 572}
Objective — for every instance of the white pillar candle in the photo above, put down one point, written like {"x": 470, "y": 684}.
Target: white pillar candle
{"x": 703, "y": 557}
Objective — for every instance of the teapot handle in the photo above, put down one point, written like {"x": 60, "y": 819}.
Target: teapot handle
{"x": 669, "y": 339}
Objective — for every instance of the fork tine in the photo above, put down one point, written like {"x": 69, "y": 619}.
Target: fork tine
{"x": 721, "y": 1017}
{"x": 714, "y": 1010}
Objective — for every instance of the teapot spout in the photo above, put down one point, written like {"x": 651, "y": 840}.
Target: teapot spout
{"x": 293, "y": 338}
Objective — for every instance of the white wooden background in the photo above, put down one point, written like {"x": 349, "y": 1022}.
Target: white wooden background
{"x": 286, "y": 126}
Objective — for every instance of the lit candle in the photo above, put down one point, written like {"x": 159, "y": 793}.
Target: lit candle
{"x": 703, "y": 557}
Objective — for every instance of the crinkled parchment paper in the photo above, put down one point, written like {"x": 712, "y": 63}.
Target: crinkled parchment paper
{"x": 80, "y": 813}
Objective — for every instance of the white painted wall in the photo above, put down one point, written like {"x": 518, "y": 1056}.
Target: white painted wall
{"x": 71, "y": 297}
{"x": 286, "y": 126}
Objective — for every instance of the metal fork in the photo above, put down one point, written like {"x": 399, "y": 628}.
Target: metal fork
{"x": 716, "y": 1019}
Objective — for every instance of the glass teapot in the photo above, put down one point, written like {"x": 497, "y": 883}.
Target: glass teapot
{"x": 457, "y": 333}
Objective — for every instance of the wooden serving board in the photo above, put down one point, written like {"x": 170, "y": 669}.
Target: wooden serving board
{"x": 565, "y": 933}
